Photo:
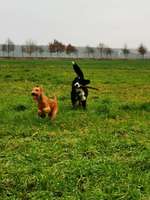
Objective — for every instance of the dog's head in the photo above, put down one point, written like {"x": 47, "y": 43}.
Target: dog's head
{"x": 79, "y": 80}
{"x": 37, "y": 93}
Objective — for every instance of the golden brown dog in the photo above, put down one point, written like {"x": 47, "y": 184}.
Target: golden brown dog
{"x": 45, "y": 105}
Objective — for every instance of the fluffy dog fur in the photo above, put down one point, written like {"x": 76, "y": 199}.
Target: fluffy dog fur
{"x": 79, "y": 92}
{"x": 45, "y": 105}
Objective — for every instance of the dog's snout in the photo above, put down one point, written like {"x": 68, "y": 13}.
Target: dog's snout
{"x": 77, "y": 84}
{"x": 32, "y": 93}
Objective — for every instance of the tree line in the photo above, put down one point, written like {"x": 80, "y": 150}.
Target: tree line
{"x": 31, "y": 47}
{"x": 57, "y": 47}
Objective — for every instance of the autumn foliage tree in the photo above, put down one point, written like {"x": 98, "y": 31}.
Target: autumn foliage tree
{"x": 142, "y": 50}
{"x": 51, "y": 48}
{"x": 70, "y": 49}
{"x": 56, "y": 47}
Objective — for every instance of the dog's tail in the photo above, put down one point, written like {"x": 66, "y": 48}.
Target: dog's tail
{"x": 93, "y": 88}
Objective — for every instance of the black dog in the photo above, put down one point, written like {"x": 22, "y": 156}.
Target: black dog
{"x": 79, "y": 91}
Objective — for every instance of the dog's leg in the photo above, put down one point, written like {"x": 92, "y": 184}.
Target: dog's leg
{"x": 84, "y": 104}
{"x": 74, "y": 99}
{"x": 80, "y": 103}
{"x": 75, "y": 104}
{"x": 41, "y": 114}
{"x": 47, "y": 109}
{"x": 52, "y": 114}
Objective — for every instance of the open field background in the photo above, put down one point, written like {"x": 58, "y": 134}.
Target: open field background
{"x": 99, "y": 154}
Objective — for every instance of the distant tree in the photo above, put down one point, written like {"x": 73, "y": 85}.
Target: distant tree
{"x": 56, "y": 47}
{"x": 125, "y": 51}
{"x": 51, "y": 48}
{"x": 40, "y": 50}
{"x": 30, "y": 47}
{"x": 60, "y": 47}
{"x": 36, "y": 50}
{"x": 100, "y": 48}
{"x": 1, "y": 49}
{"x": 89, "y": 50}
{"x": 4, "y": 49}
{"x": 70, "y": 49}
{"x": 8, "y": 47}
{"x": 108, "y": 51}
{"x": 142, "y": 50}
{"x": 23, "y": 50}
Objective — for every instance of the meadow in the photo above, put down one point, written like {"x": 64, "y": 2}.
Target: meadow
{"x": 102, "y": 153}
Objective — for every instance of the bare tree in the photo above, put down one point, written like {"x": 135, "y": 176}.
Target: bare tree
{"x": 100, "y": 48}
{"x": 89, "y": 50}
{"x": 125, "y": 51}
{"x": 108, "y": 51}
{"x": 23, "y": 50}
{"x": 1, "y": 48}
{"x": 8, "y": 47}
{"x": 4, "y": 49}
{"x": 36, "y": 50}
{"x": 30, "y": 47}
{"x": 142, "y": 50}
{"x": 40, "y": 50}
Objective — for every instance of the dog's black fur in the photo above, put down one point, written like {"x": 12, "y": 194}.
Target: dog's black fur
{"x": 79, "y": 92}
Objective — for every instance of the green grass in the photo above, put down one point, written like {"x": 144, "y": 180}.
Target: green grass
{"x": 99, "y": 154}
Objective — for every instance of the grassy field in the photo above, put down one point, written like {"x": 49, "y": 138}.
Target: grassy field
{"x": 99, "y": 154}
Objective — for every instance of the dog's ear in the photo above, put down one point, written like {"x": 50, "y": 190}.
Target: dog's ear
{"x": 41, "y": 89}
{"x": 77, "y": 70}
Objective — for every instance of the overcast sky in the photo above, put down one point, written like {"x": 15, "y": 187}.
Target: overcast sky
{"x": 80, "y": 22}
